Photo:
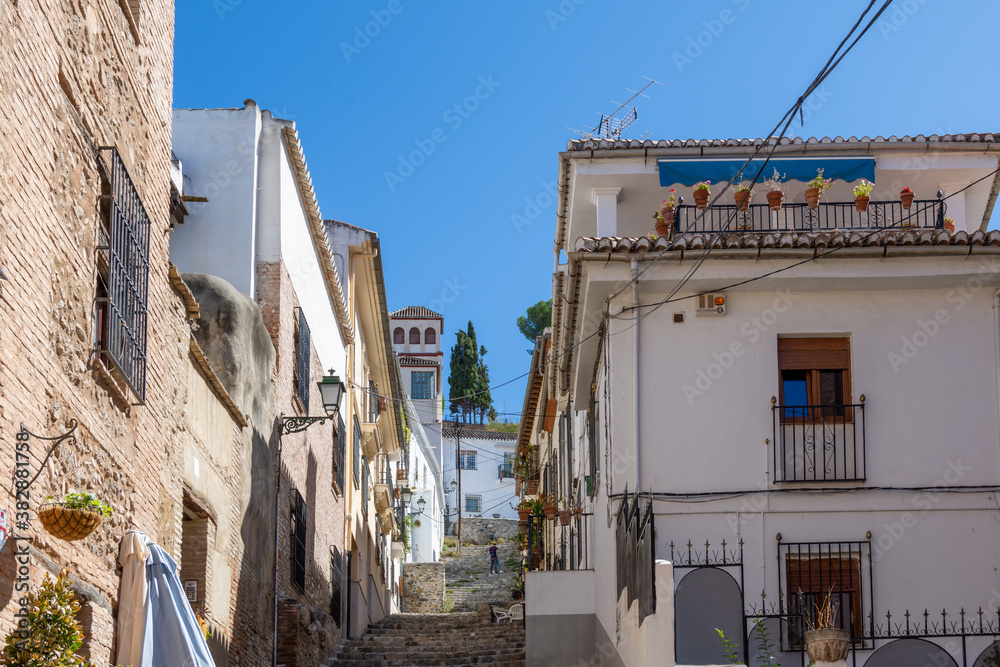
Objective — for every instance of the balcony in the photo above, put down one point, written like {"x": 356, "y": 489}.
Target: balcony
{"x": 505, "y": 471}
{"x": 798, "y": 217}
{"x": 372, "y": 435}
{"x": 384, "y": 487}
{"x": 819, "y": 443}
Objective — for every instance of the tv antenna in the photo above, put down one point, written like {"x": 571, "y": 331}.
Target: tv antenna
{"x": 612, "y": 125}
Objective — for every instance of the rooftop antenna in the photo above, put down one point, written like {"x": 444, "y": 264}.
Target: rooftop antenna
{"x": 612, "y": 125}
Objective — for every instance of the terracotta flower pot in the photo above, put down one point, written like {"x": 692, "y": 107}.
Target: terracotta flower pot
{"x": 665, "y": 221}
{"x": 861, "y": 203}
{"x": 668, "y": 213}
{"x": 742, "y": 199}
{"x": 522, "y": 527}
{"x": 812, "y": 197}
{"x": 69, "y": 524}
{"x": 578, "y": 512}
{"x": 532, "y": 487}
{"x": 774, "y": 199}
{"x": 701, "y": 198}
{"x": 828, "y": 645}
{"x": 907, "y": 199}
{"x": 564, "y": 517}
{"x": 523, "y": 513}
{"x": 551, "y": 511}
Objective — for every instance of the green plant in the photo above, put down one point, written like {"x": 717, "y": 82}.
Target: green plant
{"x": 730, "y": 649}
{"x": 670, "y": 202}
{"x": 864, "y": 188}
{"x": 448, "y": 605}
{"x": 819, "y": 182}
{"x": 53, "y": 635}
{"x": 85, "y": 501}
{"x": 765, "y": 647}
{"x": 703, "y": 185}
{"x": 406, "y": 530}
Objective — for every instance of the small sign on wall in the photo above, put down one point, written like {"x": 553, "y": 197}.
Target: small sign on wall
{"x": 191, "y": 590}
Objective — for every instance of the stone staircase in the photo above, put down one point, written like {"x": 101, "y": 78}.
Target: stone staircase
{"x": 468, "y": 581}
{"x": 414, "y": 640}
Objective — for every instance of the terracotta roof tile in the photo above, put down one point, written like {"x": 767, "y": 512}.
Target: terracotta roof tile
{"x": 791, "y": 240}
{"x": 622, "y": 144}
{"x": 469, "y": 434}
{"x": 416, "y": 361}
{"x": 415, "y": 312}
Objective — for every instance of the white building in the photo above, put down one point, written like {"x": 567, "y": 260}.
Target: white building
{"x": 487, "y": 470}
{"x": 805, "y": 399}
{"x": 416, "y": 339}
{"x": 427, "y": 502}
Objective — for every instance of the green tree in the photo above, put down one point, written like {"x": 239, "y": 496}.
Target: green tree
{"x": 533, "y": 323}
{"x": 469, "y": 378}
{"x": 53, "y": 636}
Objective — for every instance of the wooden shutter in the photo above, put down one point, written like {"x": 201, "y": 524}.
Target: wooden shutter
{"x": 303, "y": 361}
{"x": 814, "y": 353}
{"x": 299, "y": 542}
{"x": 818, "y": 575}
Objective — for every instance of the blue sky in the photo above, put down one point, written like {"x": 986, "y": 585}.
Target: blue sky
{"x": 460, "y": 195}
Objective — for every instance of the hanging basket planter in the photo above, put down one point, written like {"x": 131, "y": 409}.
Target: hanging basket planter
{"x": 523, "y": 514}
{"x": 564, "y": 517}
{"x": 774, "y": 199}
{"x": 67, "y": 523}
{"x": 551, "y": 511}
{"x": 742, "y": 199}
{"x": 812, "y": 197}
{"x": 861, "y": 204}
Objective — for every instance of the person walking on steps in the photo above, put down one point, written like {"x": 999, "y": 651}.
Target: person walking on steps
{"x": 494, "y": 559}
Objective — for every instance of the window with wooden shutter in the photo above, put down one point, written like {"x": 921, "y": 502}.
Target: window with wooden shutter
{"x": 815, "y": 378}
{"x": 336, "y": 597}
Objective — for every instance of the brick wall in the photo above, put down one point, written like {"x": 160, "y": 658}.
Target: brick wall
{"x": 423, "y": 588}
{"x": 73, "y": 77}
{"x": 306, "y": 466}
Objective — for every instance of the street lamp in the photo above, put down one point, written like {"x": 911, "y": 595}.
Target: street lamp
{"x": 405, "y": 494}
{"x": 421, "y": 504}
{"x": 330, "y": 391}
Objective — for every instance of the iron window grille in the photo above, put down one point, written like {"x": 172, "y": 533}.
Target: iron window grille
{"x": 467, "y": 459}
{"x": 373, "y": 406}
{"x": 122, "y": 307}
{"x": 636, "y": 554}
{"x": 592, "y": 417}
{"x": 811, "y": 571}
{"x": 364, "y": 485}
{"x": 340, "y": 437}
{"x": 336, "y": 596}
{"x": 356, "y": 446}
{"x": 298, "y": 541}
{"x": 303, "y": 354}
{"x": 473, "y": 504}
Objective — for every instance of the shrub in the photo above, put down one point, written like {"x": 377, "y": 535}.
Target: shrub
{"x": 53, "y": 635}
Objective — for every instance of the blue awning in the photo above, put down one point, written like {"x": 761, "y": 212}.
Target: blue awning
{"x": 689, "y": 171}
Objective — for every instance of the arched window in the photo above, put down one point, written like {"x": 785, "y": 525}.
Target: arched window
{"x": 398, "y": 337}
{"x": 430, "y": 337}
{"x": 414, "y": 336}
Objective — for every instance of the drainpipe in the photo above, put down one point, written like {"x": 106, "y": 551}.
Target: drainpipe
{"x": 996, "y": 338}
{"x": 636, "y": 365}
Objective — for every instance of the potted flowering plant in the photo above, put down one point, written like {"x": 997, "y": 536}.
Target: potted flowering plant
{"x": 906, "y": 196}
{"x": 861, "y": 195}
{"x": 817, "y": 186}
{"x": 702, "y": 191}
{"x": 550, "y": 506}
{"x": 665, "y": 215}
{"x": 742, "y": 194}
{"x": 775, "y": 193}
{"x": 75, "y": 517}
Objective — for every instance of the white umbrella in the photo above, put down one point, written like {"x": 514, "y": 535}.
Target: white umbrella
{"x": 132, "y": 598}
{"x": 162, "y": 631}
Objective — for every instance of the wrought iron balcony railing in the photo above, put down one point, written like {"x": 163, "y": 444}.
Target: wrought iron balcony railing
{"x": 819, "y": 443}
{"x": 798, "y": 217}
{"x": 505, "y": 470}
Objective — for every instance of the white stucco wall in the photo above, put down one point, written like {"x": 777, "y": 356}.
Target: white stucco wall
{"x": 498, "y": 495}
{"x": 218, "y": 150}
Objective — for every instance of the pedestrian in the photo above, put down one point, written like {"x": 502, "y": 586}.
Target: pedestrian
{"x": 494, "y": 559}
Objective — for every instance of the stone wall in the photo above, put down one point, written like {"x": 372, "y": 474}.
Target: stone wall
{"x": 478, "y": 531}
{"x": 423, "y": 588}
{"x": 76, "y": 76}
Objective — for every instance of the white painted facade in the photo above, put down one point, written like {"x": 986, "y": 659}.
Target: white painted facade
{"x": 487, "y": 474}
{"x": 682, "y": 405}
{"x": 425, "y": 483}
{"x": 417, "y": 333}
{"x": 239, "y": 160}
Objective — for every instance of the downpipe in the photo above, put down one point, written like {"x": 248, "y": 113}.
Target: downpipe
{"x": 636, "y": 365}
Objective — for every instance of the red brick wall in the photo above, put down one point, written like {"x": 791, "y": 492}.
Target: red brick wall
{"x": 72, "y": 78}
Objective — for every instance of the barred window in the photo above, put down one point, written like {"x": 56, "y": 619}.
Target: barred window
{"x": 473, "y": 504}
{"x": 467, "y": 459}
{"x": 814, "y": 571}
{"x": 303, "y": 355}
{"x": 336, "y": 597}
{"x": 122, "y": 278}
{"x": 364, "y": 485}
{"x": 340, "y": 441}
{"x": 298, "y": 541}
